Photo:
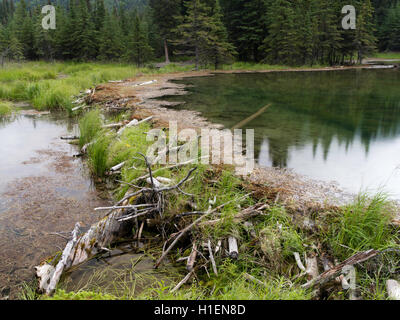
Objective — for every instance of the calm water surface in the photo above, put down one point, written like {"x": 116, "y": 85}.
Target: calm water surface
{"x": 339, "y": 126}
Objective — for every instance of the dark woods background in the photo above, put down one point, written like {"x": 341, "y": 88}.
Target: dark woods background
{"x": 207, "y": 32}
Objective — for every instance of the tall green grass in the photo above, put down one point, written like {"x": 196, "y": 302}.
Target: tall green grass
{"x": 90, "y": 125}
{"x": 364, "y": 225}
{"x": 52, "y": 85}
{"x": 5, "y": 108}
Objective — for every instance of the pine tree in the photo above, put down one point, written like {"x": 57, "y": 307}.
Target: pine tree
{"x": 279, "y": 45}
{"x": 165, "y": 13}
{"x": 218, "y": 47}
{"x": 139, "y": 50}
{"x": 194, "y": 32}
{"x": 44, "y": 39}
{"x": 111, "y": 47}
{"x": 16, "y": 50}
{"x": 364, "y": 38}
{"x": 84, "y": 42}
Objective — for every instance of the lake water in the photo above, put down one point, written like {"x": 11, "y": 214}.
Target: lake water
{"x": 341, "y": 126}
{"x": 43, "y": 190}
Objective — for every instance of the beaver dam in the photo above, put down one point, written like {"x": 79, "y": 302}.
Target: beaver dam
{"x": 194, "y": 231}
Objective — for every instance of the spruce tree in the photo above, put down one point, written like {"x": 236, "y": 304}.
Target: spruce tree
{"x": 364, "y": 38}
{"x": 165, "y": 13}
{"x": 139, "y": 50}
{"x": 219, "y": 50}
{"x": 111, "y": 46}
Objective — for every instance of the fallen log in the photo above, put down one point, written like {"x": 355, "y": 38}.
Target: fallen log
{"x": 133, "y": 123}
{"x": 337, "y": 270}
{"x": 69, "y": 138}
{"x": 113, "y": 125}
{"x": 117, "y": 167}
{"x": 64, "y": 263}
{"x": 77, "y": 251}
{"x": 233, "y": 248}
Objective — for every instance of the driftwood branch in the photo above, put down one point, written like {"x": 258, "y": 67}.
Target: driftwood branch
{"x": 337, "y": 270}
{"x": 64, "y": 262}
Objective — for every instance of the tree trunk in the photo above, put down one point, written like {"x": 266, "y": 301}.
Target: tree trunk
{"x": 197, "y": 57}
{"x": 166, "y": 51}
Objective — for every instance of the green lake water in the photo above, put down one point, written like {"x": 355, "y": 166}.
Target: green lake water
{"x": 341, "y": 126}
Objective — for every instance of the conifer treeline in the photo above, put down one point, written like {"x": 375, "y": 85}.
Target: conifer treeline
{"x": 211, "y": 32}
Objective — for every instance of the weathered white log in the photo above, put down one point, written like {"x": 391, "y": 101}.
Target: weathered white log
{"x": 113, "y": 125}
{"x": 100, "y": 235}
{"x": 233, "y": 248}
{"x": 192, "y": 258}
{"x": 146, "y": 83}
{"x": 157, "y": 184}
{"x": 44, "y": 273}
{"x": 77, "y": 108}
{"x": 84, "y": 149}
{"x": 166, "y": 181}
{"x": 298, "y": 261}
{"x": 65, "y": 261}
{"x": 393, "y": 289}
{"x": 78, "y": 101}
{"x": 133, "y": 123}
{"x": 118, "y": 166}
{"x": 69, "y": 138}
{"x": 312, "y": 267}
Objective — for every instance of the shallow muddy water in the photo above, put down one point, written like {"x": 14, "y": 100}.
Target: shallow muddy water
{"x": 43, "y": 189}
{"x": 339, "y": 126}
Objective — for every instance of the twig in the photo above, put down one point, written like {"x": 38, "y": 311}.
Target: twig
{"x": 212, "y": 257}
{"x": 183, "y": 281}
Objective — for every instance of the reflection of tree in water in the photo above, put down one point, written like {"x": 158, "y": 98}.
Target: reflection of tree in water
{"x": 308, "y": 107}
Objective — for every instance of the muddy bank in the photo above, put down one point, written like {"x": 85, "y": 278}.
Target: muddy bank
{"x": 43, "y": 190}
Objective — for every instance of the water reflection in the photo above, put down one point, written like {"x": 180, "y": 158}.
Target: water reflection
{"x": 341, "y": 125}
